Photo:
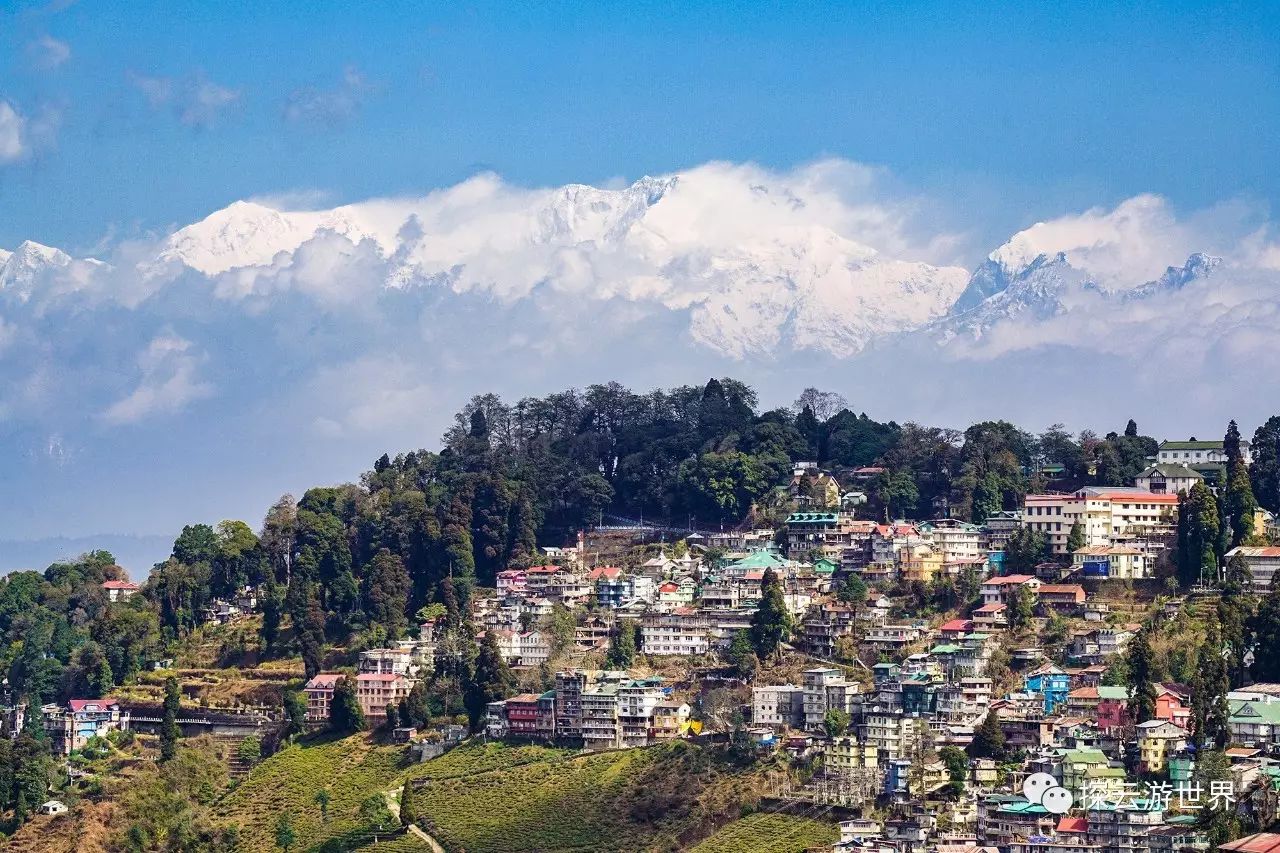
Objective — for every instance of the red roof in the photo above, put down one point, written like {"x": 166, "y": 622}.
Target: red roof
{"x": 322, "y": 680}
{"x": 119, "y": 585}
{"x": 1073, "y": 824}
{"x": 1135, "y": 497}
{"x": 1002, "y": 580}
{"x": 1262, "y": 842}
{"x": 990, "y": 608}
{"x": 81, "y": 704}
{"x": 542, "y": 570}
{"x": 957, "y": 625}
{"x": 609, "y": 572}
{"x": 378, "y": 676}
{"x": 753, "y": 576}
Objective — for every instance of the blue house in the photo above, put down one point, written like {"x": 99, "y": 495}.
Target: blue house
{"x": 1050, "y": 682}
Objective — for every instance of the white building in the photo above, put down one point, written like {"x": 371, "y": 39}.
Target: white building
{"x": 681, "y": 632}
{"x": 1194, "y": 452}
{"x": 1167, "y": 478}
{"x": 777, "y": 705}
{"x": 1107, "y": 515}
{"x": 1263, "y": 562}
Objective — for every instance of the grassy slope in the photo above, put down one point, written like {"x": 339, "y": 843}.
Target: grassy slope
{"x": 499, "y": 798}
{"x": 776, "y": 833}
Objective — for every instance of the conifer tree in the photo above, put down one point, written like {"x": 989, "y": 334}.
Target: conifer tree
{"x": 491, "y": 681}
{"x": 169, "y": 729}
{"x": 771, "y": 623}
{"x": 1142, "y": 695}
{"x": 345, "y": 714}
{"x": 408, "y": 805}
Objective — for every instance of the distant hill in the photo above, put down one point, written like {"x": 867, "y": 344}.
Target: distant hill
{"x": 136, "y": 553}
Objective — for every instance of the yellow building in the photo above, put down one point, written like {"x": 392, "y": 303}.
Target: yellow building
{"x": 844, "y": 754}
{"x": 670, "y": 720}
{"x": 1157, "y": 741}
{"x": 920, "y": 563}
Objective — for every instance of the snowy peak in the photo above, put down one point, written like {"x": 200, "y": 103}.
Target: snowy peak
{"x": 240, "y": 235}
{"x": 1198, "y": 266}
{"x": 25, "y": 265}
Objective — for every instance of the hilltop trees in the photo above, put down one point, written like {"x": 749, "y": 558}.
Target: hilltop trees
{"x": 1239, "y": 502}
{"x": 1264, "y": 473}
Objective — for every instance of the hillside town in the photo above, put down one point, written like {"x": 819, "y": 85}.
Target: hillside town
{"x": 1088, "y": 670}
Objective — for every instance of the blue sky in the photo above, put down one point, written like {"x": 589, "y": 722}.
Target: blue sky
{"x": 1016, "y": 108}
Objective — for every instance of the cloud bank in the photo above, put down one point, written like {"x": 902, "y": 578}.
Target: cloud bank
{"x": 272, "y": 346}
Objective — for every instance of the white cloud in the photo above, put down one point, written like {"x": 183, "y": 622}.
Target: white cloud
{"x": 12, "y": 133}
{"x": 168, "y": 383}
{"x": 1135, "y": 241}
{"x": 195, "y": 101}
{"x": 47, "y": 53}
{"x": 333, "y": 106}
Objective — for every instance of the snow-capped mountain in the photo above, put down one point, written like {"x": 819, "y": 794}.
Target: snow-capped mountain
{"x": 747, "y": 268}
{"x": 788, "y": 282}
{"x": 22, "y": 269}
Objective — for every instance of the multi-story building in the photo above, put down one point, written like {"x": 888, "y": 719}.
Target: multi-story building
{"x": 600, "y": 728}
{"x": 681, "y": 632}
{"x": 893, "y": 735}
{"x": 1119, "y": 562}
{"x": 838, "y": 536}
{"x": 1263, "y": 562}
{"x": 669, "y": 720}
{"x": 777, "y": 706}
{"x": 637, "y": 700}
{"x": 522, "y": 715}
{"x": 319, "y": 693}
{"x": 1167, "y": 478}
{"x": 1195, "y": 452}
{"x": 1157, "y": 741}
{"x": 845, "y": 755}
{"x": 1107, "y": 515}
{"x": 375, "y": 691}
{"x": 385, "y": 661}
{"x": 824, "y": 624}
{"x": 957, "y": 540}
{"x": 70, "y": 726}
{"x": 569, "y": 686}
{"x": 824, "y": 689}
{"x": 999, "y": 529}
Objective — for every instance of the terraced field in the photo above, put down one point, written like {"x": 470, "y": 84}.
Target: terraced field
{"x": 770, "y": 833}
{"x": 496, "y": 798}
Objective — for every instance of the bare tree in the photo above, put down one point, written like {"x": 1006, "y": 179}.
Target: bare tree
{"x": 823, "y": 404}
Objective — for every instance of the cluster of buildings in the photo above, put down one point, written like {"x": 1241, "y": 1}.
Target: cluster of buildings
{"x": 384, "y": 677}
{"x": 602, "y": 709}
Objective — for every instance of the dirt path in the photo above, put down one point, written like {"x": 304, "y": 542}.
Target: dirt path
{"x": 393, "y": 803}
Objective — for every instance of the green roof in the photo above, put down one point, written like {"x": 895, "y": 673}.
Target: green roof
{"x": 1024, "y": 808}
{"x": 824, "y": 566}
{"x": 1086, "y": 755}
{"x": 1104, "y": 773}
{"x": 1111, "y": 691}
{"x": 759, "y": 560}
{"x": 812, "y": 518}
{"x": 1249, "y": 711}
{"x": 1191, "y": 445}
{"x": 944, "y": 649}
